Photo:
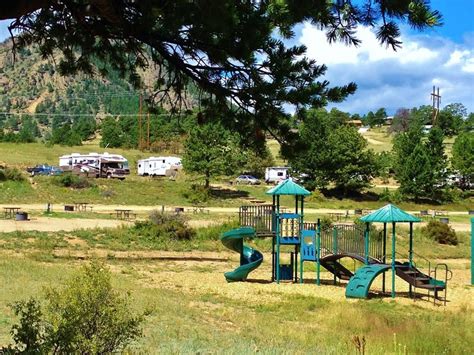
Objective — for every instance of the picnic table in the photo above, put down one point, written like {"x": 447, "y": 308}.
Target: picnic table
{"x": 82, "y": 206}
{"x": 338, "y": 216}
{"x": 10, "y": 212}
{"x": 123, "y": 213}
{"x": 199, "y": 209}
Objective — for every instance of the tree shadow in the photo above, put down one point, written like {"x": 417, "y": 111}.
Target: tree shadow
{"x": 225, "y": 194}
{"x": 366, "y": 196}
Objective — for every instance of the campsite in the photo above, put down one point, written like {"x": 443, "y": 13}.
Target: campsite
{"x": 236, "y": 177}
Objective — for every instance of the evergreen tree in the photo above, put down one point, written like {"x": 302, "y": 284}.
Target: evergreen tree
{"x": 416, "y": 177}
{"x": 439, "y": 160}
{"x": 206, "y": 42}
{"x": 211, "y": 150}
{"x": 111, "y": 134}
{"x": 332, "y": 152}
{"x": 463, "y": 158}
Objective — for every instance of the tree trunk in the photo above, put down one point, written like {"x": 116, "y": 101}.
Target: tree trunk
{"x": 208, "y": 177}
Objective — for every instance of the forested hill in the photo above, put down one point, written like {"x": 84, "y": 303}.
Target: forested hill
{"x": 38, "y": 103}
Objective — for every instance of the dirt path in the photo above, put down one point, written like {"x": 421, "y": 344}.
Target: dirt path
{"x": 141, "y": 208}
{"x": 44, "y": 224}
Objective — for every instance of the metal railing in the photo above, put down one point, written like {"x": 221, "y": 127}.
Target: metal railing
{"x": 260, "y": 217}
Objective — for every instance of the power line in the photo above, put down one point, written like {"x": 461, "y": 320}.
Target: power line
{"x": 76, "y": 114}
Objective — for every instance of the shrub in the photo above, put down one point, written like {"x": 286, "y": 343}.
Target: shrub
{"x": 440, "y": 232}
{"x": 85, "y": 317}
{"x": 197, "y": 194}
{"x": 12, "y": 174}
{"x": 74, "y": 181}
{"x": 162, "y": 225}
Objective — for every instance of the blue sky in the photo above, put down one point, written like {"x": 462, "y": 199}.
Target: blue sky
{"x": 443, "y": 56}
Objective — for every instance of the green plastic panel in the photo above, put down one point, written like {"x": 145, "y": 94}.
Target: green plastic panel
{"x": 359, "y": 284}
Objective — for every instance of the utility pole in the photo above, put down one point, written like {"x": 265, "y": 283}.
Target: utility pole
{"x": 148, "y": 132}
{"x": 140, "y": 123}
{"x": 436, "y": 98}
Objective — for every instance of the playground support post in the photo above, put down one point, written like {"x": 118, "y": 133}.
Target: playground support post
{"x": 410, "y": 253}
{"x": 318, "y": 253}
{"x": 277, "y": 236}
{"x": 366, "y": 243}
{"x": 384, "y": 260}
{"x": 393, "y": 259}
{"x": 472, "y": 251}
{"x": 334, "y": 249}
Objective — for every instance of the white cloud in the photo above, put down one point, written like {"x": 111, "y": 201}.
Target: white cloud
{"x": 390, "y": 79}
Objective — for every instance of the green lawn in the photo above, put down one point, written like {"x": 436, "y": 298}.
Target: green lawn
{"x": 191, "y": 309}
{"x": 136, "y": 190}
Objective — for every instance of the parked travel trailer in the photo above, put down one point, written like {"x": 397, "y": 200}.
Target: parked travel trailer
{"x": 95, "y": 164}
{"x": 159, "y": 166}
{"x": 275, "y": 174}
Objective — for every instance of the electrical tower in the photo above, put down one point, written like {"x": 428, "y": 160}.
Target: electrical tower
{"x": 436, "y": 98}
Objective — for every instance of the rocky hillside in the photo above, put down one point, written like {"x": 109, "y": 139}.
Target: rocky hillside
{"x": 32, "y": 93}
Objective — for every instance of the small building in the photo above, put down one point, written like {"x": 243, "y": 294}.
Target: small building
{"x": 275, "y": 174}
{"x": 355, "y": 123}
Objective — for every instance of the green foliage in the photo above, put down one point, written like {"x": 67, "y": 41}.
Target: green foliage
{"x": 197, "y": 194}
{"x": 255, "y": 161}
{"x": 463, "y": 157}
{"x": 451, "y": 118}
{"x": 86, "y": 316}
{"x": 12, "y": 174}
{"x": 262, "y": 73}
{"x": 377, "y": 118}
{"x": 164, "y": 226}
{"x": 29, "y": 336}
{"x": 332, "y": 152}
{"x": 211, "y": 150}
{"x": 420, "y": 165}
{"x": 73, "y": 181}
{"x": 64, "y": 134}
{"x": 440, "y": 232}
{"x": 112, "y": 135}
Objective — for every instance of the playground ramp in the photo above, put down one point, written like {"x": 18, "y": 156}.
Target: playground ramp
{"x": 359, "y": 284}
{"x": 250, "y": 259}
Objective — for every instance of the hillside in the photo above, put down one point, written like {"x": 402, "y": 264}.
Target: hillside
{"x": 33, "y": 94}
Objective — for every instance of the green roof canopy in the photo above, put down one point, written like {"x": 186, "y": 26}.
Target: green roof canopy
{"x": 389, "y": 213}
{"x": 288, "y": 187}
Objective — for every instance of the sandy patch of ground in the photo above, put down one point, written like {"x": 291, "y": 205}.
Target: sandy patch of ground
{"x": 45, "y": 224}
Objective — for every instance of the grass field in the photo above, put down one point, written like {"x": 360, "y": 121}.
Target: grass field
{"x": 193, "y": 310}
{"x": 137, "y": 190}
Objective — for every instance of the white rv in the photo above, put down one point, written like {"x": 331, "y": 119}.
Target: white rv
{"x": 95, "y": 164}
{"x": 158, "y": 166}
{"x": 275, "y": 174}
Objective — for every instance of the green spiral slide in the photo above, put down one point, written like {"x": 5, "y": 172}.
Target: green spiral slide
{"x": 250, "y": 259}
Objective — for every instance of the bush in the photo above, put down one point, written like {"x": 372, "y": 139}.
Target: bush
{"x": 85, "y": 317}
{"x": 440, "y": 232}
{"x": 74, "y": 181}
{"x": 12, "y": 174}
{"x": 162, "y": 225}
{"x": 197, "y": 194}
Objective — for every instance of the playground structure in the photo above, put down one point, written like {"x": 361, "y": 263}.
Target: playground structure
{"x": 327, "y": 246}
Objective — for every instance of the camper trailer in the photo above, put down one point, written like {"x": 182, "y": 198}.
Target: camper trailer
{"x": 275, "y": 174}
{"x": 159, "y": 166}
{"x": 95, "y": 164}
